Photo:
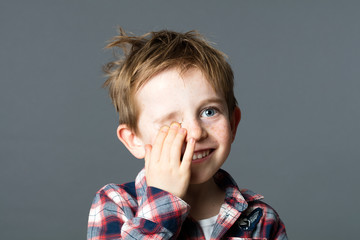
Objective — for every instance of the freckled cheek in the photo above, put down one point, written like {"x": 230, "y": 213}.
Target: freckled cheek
{"x": 221, "y": 131}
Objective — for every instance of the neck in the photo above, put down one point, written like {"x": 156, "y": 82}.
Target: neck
{"x": 200, "y": 191}
{"x": 205, "y": 199}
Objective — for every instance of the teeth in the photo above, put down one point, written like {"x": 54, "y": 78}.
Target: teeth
{"x": 201, "y": 154}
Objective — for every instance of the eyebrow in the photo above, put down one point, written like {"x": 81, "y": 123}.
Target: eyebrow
{"x": 175, "y": 114}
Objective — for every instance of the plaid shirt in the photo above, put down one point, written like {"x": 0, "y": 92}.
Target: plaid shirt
{"x": 136, "y": 211}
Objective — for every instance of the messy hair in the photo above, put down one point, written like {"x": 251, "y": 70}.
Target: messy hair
{"x": 145, "y": 56}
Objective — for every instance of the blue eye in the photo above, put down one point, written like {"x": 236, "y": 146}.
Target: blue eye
{"x": 208, "y": 112}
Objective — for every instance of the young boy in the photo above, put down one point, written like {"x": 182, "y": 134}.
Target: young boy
{"x": 174, "y": 95}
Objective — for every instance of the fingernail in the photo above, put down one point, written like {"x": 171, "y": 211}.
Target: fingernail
{"x": 165, "y": 129}
{"x": 174, "y": 126}
{"x": 192, "y": 140}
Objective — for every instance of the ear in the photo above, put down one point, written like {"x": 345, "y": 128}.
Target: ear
{"x": 131, "y": 141}
{"x": 234, "y": 121}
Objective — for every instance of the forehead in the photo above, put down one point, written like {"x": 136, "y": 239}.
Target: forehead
{"x": 172, "y": 89}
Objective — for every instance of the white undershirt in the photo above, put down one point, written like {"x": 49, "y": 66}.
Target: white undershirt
{"x": 207, "y": 225}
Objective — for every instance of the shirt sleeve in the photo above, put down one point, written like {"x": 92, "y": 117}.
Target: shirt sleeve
{"x": 278, "y": 231}
{"x": 114, "y": 214}
{"x": 272, "y": 226}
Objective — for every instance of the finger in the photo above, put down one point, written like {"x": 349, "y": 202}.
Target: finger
{"x": 165, "y": 153}
{"x": 187, "y": 158}
{"x": 147, "y": 156}
{"x": 158, "y": 144}
{"x": 177, "y": 147}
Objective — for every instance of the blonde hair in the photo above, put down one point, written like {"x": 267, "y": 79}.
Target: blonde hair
{"x": 147, "y": 55}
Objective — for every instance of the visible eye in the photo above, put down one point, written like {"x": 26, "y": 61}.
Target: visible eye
{"x": 208, "y": 112}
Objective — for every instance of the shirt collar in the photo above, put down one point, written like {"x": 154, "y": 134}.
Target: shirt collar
{"x": 235, "y": 197}
{"x": 140, "y": 185}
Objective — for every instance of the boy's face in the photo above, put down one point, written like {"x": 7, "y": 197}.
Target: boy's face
{"x": 190, "y": 100}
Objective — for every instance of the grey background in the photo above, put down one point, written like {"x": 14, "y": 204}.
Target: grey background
{"x": 297, "y": 82}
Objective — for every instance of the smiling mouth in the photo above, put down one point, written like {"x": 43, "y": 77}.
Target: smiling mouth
{"x": 198, "y": 155}
{"x": 201, "y": 154}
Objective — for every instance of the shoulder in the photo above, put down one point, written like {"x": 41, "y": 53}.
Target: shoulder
{"x": 115, "y": 194}
{"x": 263, "y": 215}
{"x": 113, "y": 205}
{"x": 113, "y": 200}
{"x": 116, "y": 190}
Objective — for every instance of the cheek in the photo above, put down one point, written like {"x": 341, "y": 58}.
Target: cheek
{"x": 148, "y": 134}
{"x": 150, "y": 138}
{"x": 221, "y": 131}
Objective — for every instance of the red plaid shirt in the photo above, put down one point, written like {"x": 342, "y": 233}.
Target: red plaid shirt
{"x": 135, "y": 211}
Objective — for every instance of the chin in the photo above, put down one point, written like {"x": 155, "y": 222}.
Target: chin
{"x": 199, "y": 177}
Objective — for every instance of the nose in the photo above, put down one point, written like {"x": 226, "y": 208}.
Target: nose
{"x": 194, "y": 130}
